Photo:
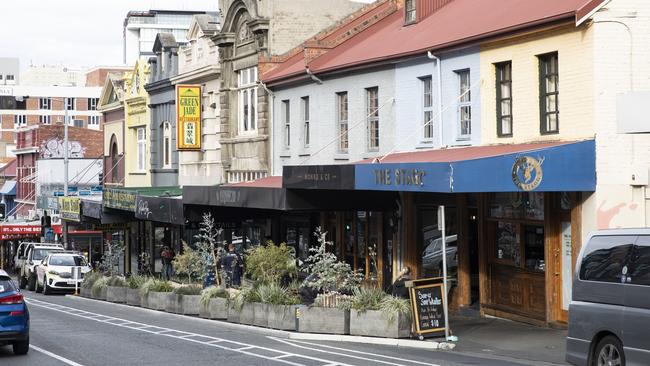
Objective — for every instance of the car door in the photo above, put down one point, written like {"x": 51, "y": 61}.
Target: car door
{"x": 41, "y": 269}
{"x": 636, "y": 319}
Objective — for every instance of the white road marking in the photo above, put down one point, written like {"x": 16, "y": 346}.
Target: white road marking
{"x": 55, "y": 356}
{"x": 167, "y": 332}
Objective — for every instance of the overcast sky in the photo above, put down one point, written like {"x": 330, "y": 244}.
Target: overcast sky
{"x": 74, "y": 32}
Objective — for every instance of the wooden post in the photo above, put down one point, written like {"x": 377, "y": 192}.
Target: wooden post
{"x": 464, "y": 293}
{"x": 484, "y": 277}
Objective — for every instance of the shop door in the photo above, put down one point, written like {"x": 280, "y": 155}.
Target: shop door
{"x": 472, "y": 242}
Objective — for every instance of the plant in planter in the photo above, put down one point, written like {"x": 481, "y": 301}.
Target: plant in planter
{"x": 189, "y": 264}
{"x": 88, "y": 282}
{"x": 271, "y": 263}
{"x": 155, "y": 291}
{"x": 214, "y": 303}
{"x": 187, "y": 299}
{"x": 243, "y": 304}
{"x": 376, "y": 314}
{"x": 113, "y": 254}
{"x": 134, "y": 283}
{"x": 208, "y": 248}
{"x": 98, "y": 290}
{"x": 281, "y": 304}
{"x": 116, "y": 289}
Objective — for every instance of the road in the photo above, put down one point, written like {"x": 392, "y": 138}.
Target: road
{"x": 76, "y": 331}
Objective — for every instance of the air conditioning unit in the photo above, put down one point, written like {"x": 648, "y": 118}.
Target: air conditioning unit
{"x": 56, "y": 219}
{"x": 32, "y": 215}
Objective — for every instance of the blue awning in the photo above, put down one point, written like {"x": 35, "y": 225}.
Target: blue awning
{"x": 9, "y": 188}
{"x": 544, "y": 167}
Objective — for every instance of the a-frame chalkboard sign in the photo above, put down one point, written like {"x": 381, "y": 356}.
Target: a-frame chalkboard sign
{"x": 427, "y": 302}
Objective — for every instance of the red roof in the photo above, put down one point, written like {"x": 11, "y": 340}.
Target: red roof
{"x": 462, "y": 153}
{"x": 460, "y": 22}
{"x": 268, "y": 182}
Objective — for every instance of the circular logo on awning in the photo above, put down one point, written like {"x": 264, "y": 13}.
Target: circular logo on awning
{"x": 527, "y": 173}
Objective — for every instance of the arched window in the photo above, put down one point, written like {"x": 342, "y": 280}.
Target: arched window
{"x": 167, "y": 145}
{"x": 115, "y": 171}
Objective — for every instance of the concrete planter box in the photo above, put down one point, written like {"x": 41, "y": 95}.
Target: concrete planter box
{"x": 218, "y": 308}
{"x": 133, "y": 297}
{"x": 102, "y": 294}
{"x": 204, "y": 311}
{"x": 260, "y": 314}
{"x": 173, "y": 303}
{"x": 85, "y": 292}
{"x": 374, "y": 323}
{"x": 247, "y": 314}
{"x": 116, "y": 294}
{"x": 191, "y": 304}
{"x": 282, "y": 317}
{"x": 157, "y": 300}
{"x": 234, "y": 316}
{"x": 323, "y": 320}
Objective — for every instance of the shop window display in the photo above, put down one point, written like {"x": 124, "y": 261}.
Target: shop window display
{"x": 431, "y": 243}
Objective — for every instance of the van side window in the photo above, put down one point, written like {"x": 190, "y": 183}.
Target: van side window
{"x": 639, "y": 268}
{"x": 605, "y": 257}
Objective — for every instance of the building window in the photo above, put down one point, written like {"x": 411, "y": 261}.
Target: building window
{"x": 45, "y": 120}
{"x": 372, "y": 115}
{"x": 44, "y": 103}
{"x": 549, "y": 93}
{"x": 167, "y": 145}
{"x": 10, "y": 77}
{"x": 286, "y": 118}
{"x": 410, "y": 12}
{"x": 427, "y": 108}
{"x": 19, "y": 120}
{"x": 464, "y": 104}
{"x": 504, "y": 98}
{"x": 92, "y": 104}
{"x": 1, "y": 76}
{"x": 342, "y": 120}
{"x": 247, "y": 100}
{"x": 78, "y": 123}
{"x": 142, "y": 147}
{"x": 93, "y": 120}
{"x": 305, "y": 120}
{"x": 70, "y": 104}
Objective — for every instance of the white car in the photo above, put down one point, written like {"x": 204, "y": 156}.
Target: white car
{"x": 55, "y": 272}
{"x": 33, "y": 254}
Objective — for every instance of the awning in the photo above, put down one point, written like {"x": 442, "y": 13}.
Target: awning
{"x": 9, "y": 188}
{"x": 125, "y": 198}
{"x": 542, "y": 167}
{"x": 160, "y": 209}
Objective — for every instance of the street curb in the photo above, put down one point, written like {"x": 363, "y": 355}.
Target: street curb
{"x": 400, "y": 343}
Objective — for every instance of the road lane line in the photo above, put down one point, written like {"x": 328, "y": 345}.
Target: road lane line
{"x": 55, "y": 356}
{"x": 161, "y": 330}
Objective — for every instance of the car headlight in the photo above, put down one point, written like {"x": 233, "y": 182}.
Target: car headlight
{"x": 53, "y": 272}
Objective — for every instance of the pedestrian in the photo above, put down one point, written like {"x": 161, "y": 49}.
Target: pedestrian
{"x": 166, "y": 256}
{"x": 233, "y": 266}
{"x": 399, "y": 286}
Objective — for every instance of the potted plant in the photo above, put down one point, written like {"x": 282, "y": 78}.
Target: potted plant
{"x": 133, "y": 290}
{"x": 214, "y": 303}
{"x": 116, "y": 289}
{"x": 187, "y": 299}
{"x": 155, "y": 291}
{"x": 281, "y": 304}
{"x": 373, "y": 313}
{"x": 331, "y": 278}
{"x": 98, "y": 290}
{"x": 88, "y": 282}
{"x": 244, "y": 304}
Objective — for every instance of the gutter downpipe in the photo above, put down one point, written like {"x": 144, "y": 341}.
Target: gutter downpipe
{"x": 271, "y": 139}
{"x": 312, "y": 76}
{"x": 438, "y": 61}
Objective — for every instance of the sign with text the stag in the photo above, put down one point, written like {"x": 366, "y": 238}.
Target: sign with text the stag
{"x": 188, "y": 117}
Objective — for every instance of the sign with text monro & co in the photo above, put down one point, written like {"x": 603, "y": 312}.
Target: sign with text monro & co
{"x": 70, "y": 208}
{"x": 188, "y": 117}
{"x": 120, "y": 199}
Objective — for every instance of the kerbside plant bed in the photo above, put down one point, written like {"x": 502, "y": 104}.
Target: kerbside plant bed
{"x": 191, "y": 304}
{"x": 116, "y": 294}
{"x": 86, "y": 292}
{"x": 247, "y": 314}
{"x": 234, "y": 316}
{"x": 282, "y": 317}
{"x": 218, "y": 308}
{"x": 374, "y": 323}
{"x": 157, "y": 300}
{"x": 173, "y": 303}
{"x": 102, "y": 294}
{"x": 315, "y": 319}
{"x": 133, "y": 297}
{"x": 260, "y": 314}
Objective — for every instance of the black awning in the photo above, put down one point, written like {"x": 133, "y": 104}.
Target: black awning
{"x": 161, "y": 209}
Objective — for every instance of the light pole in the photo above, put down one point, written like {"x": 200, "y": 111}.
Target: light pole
{"x": 65, "y": 170}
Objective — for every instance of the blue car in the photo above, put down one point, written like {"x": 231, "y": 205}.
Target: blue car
{"x": 14, "y": 316}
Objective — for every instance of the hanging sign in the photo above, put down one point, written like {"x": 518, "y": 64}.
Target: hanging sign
{"x": 188, "y": 114}
{"x": 427, "y": 303}
{"x": 70, "y": 208}
{"x": 120, "y": 199}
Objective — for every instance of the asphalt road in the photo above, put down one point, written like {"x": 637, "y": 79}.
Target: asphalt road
{"x": 76, "y": 331}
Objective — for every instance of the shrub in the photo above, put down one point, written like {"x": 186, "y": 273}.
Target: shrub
{"x": 89, "y": 279}
{"x": 98, "y": 286}
{"x": 375, "y": 299}
{"x": 367, "y": 299}
{"x": 155, "y": 285}
{"x": 189, "y": 263}
{"x": 271, "y": 263}
{"x": 392, "y": 306}
{"x": 212, "y": 292}
{"x": 136, "y": 281}
{"x": 116, "y": 281}
{"x": 246, "y": 296}
{"x": 188, "y": 290}
{"x": 275, "y": 294}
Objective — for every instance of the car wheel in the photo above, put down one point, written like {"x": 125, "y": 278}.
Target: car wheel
{"x": 22, "y": 347}
{"x": 39, "y": 288}
{"x": 608, "y": 352}
{"x": 31, "y": 283}
{"x": 22, "y": 282}
{"x": 46, "y": 287}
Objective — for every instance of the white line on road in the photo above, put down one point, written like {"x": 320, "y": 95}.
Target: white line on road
{"x": 55, "y": 356}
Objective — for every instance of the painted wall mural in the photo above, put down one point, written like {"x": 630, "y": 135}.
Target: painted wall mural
{"x": 53, "y": 149}
{"x": 609, "y": 213}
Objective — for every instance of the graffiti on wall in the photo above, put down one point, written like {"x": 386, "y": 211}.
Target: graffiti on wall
{"x": 606, "y": 217}
{"x": 53, "y": 148}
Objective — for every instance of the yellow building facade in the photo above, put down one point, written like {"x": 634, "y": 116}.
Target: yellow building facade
{"x": 136, "y": 132}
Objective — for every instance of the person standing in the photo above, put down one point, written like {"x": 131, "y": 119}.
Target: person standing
{"x": 232, "y": 265}
{"x": 166, "y": 256}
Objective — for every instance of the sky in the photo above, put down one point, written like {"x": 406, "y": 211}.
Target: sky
{"x": 75, "y": 32}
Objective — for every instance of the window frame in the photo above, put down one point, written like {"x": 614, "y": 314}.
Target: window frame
{"x": 10, "y": 77}
{"x": 45, "y": 119}
{"x": 372, "y": 119}
{"x": 464, "y": 102}
{"x": 410, "y": 14}
{"x": 286, "y": 122}
{"x": 304, "y": 104}
{"x": 544, "y": 94}
{"x": 94, "y": 120}
{"x": 424, "y": 127}
{"x": 499, "y": 82}
{"x": 70, "y": 103}
{"x": 20, "y": 120}
{"x": 45, "y": 103}
{"x": 167, "y": 145}
{"x": 93, "y": 103}
{"x": 343, "y": 136}
{"x": 141, "y": 143}
{"x": 247, "y": 100}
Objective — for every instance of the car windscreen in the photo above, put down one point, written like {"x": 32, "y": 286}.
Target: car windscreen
{"x": 67, "y": 260}
{"x": 6, "y": 285}
{"x": 39, "y": 254}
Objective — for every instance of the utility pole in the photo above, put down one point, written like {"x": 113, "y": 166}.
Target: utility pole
{"x": 65, "y": 169}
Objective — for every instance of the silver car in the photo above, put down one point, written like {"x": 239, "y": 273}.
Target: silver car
{"x": 609, "y": 315}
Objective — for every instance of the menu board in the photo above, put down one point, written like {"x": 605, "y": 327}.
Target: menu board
{"x": 428, "y": 311}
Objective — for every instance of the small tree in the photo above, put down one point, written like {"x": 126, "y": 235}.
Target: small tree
{"x": 331, "y": 275}
{"x": 207, "y": 246}
{"x": 189, "y": 263}
{"x": 271, "y": 263}
{"x": 111, "y": 259}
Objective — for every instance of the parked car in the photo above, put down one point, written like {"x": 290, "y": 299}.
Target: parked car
{"x": 14, "y": 316}
{"x": 432, "y": 253}
{"x": 55, "y": 272}
{"x": 34, "y": 254}
{"x": 609, "y": 315}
